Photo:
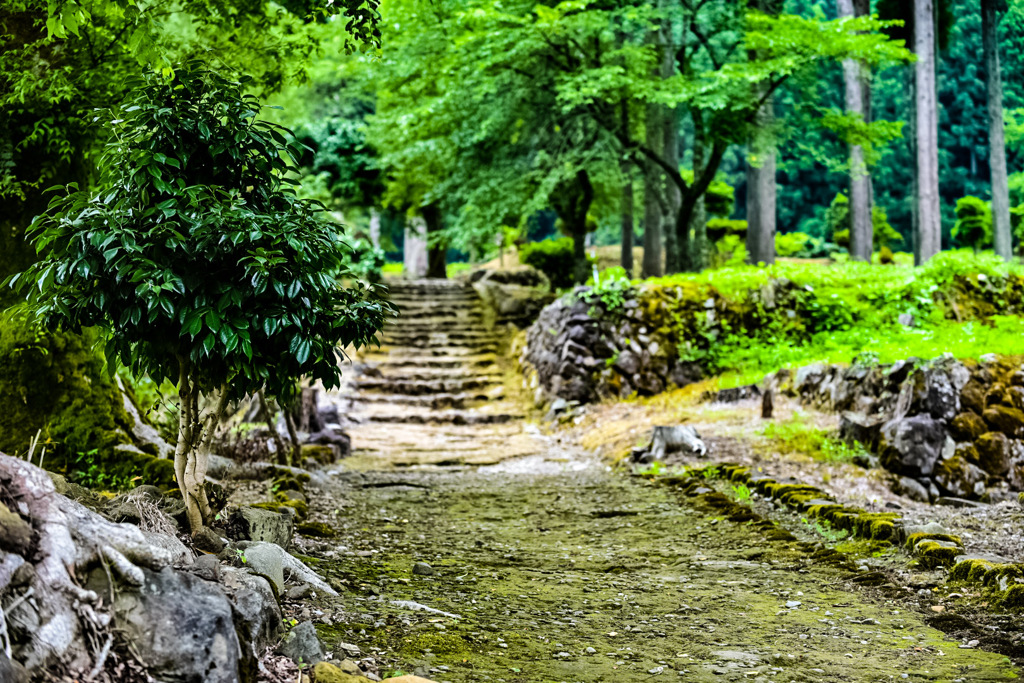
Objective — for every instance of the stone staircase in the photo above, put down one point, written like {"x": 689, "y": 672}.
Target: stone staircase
{"x": 434, "y": 393}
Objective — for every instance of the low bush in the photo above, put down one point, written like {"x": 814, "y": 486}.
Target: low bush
{"x": 554, "y": 258}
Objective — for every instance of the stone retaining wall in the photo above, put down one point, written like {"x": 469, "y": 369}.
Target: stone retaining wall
{"x": 947, "y": 427}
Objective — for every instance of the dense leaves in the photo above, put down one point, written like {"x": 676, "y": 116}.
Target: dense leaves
{"x": 195, "y": 252}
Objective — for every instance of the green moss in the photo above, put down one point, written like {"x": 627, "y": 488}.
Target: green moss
{"x": 933, "y": 554}
{"x": 54, "y": 383}
{"x": 913, "y": 539}
{"x": 878, "y": 526}
{"x": 438, "y": 643}
{"x": 316, "y": 529}
{"x": 970, "y": 570}
{"x": 300, "y": 508}
{"x": 1013, "y": 598}
{"x": 320, "y": 453}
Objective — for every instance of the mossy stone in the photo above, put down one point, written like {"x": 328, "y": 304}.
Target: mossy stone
{"x": 933, "y": 554}
{"x": 970, "y": 570}
{"x": 1013, "y": 598}
{"x": 315, "y": 529}
{"x": 914, "y": 539}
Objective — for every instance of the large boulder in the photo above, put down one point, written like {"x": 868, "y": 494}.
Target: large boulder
{"x": 257, "y": 613}
{"x": 181, "y": 626}
{"x": 912, "y": 445}
{"x": 861, "y": 428}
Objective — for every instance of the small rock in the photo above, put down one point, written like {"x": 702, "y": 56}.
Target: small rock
{"x": 302, "y": 645}
{"x": 422, "y": 569}
{"x": 257, "y": 524}
{"x": 265, "y": 559}
{"x": 590, "y": 651}
{"x": 792, "y": 604}
{"x": 325, "y": 672}
{"x": 208, "y": 540}
{"x": 207, "y": 567}
{"x": 350, "y": 649}
{"x": 407, "y": 679}
{"x": 299, "y": 592}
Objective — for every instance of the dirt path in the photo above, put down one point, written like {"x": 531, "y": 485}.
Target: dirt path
{"x": 547, "y": 567}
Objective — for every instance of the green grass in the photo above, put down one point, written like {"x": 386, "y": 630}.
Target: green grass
{"x": 796, "y": 435}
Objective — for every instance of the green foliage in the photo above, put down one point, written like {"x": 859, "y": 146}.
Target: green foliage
{"x": 554, "y": 258}
{"x": 973, "y": 226}
{"x": 197, "y": 256}
{"x": 740, "y": 493}
{"x": 795, "y": 245}
{"x": 837, "y": 225}
{"x": 720, "y": 198}
{"x": 608, "y": 294}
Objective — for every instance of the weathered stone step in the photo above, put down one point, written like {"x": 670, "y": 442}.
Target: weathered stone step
{"x": 457, "y": 374}
{"x": 433, "y": 401}
{"x": 436, "y": 324}
{"x": 399, "y": 335}
{"x": 386, "y": 361}
{"x": 419, "y": 387}
{"x": 455, "y": 417}
{"x": 404, "y": 352}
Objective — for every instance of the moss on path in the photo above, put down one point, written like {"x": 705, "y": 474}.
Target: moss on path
{"x": 586, "y": 576}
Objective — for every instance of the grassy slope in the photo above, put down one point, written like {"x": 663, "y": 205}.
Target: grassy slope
{"x": 873, "y": 297}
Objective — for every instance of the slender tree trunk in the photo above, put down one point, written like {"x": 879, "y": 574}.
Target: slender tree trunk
{"x": 699, "y": 245}
{"x": 996, "y": 140}
{"x": 284, "y": 455}
{"x": 860, "y": 191}
{"x": 415, "y": 260}
{"x": 192, "y": 451}
{"x": 929, "y": 220}
{"x": 436, "y": 247}
{"x": 653, "y": 188}
{"x": 761, "y": 198}
{"x": 676, "y": 240}
{"x": 627, "y": 227}
{"x": 581, "y": 269}
{"x": 626, "y": 208}
{"x": 375, "y": 226}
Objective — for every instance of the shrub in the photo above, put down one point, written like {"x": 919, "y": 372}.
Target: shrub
{"x": 837, "y": 225}
{"x": 973, "y": 226}
{"x": 199, "y": 261}
{"x": 554, "y": 258}
{"x": 795, "y": 245}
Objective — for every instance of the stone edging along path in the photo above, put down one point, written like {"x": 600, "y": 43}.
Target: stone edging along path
{"x": 1002, "y": 582}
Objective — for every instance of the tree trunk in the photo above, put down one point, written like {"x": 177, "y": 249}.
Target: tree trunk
{"x": 929, "y": 220}
{"x": 436, "y": 247}
{"x": 677, "y": 243}
{"x": 761, "y": 198}
{"x": 996, "y": 140}
{"x": 653, "y": 188}
{"x": 375, "y": 226}
{"x": 626, "y": 255}
{"x": 860, "y": 191}
{"x": 283, "y": 454}
{"x": 627, "y": 227}
{"x": 192, "y": 452}
{"x": 415, "y": 247}
{"x": 580, "y": 267}
{"x": 699, "y": 246}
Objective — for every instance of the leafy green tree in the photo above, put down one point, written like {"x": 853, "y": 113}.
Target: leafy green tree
{"x": 973, "y": 226}
{"x": 199, "y": 261}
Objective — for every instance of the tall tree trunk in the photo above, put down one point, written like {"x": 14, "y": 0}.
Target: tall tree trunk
{"x": 761, "y": 198}
{"x": 676, "y": 240}
{"x": 653, "y": 190}
{"x": 761, "y": 179}
{"x": 436, "y": 247}
{"x": 415, "y": 247}
{"x": 996, "y": 140}
{"x": 627, "y": 226}
{"x": 699, "y": 246}
{"x": 929, "y": 220}
{"x": 626, "y": 208}
{"x": 860, "y": 190}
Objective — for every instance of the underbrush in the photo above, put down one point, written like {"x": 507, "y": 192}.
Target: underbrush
{"x": 798, "y": 435}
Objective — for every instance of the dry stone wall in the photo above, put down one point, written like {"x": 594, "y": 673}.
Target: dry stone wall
{"x": 946, "y": 427}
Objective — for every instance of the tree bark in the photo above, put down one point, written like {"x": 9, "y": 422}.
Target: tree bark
{"x": 626, "y": 209}
{"x": 192, "y": 452}
{"x": 860, "y": 179}
{"x": 699, "y": 245}
{"x": 653, "y": 188}
{"x": 929, "y": 221}
{"x": 996, "y": 140}
{"x": 283, "y": 454}
{"x": 761, "y": 198}
{"x": 627, "y": 227}
{"x": 676, "y": 244}
{"x": 436, "y": 247}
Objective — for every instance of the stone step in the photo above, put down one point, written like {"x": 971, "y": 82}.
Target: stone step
{"x": 439, "y": 337}
{"x": 434, "y": 323}
{"x": 420, "y": 388}
{"x": 455, "y": 417}
{"x": 403, "y": 352}
{"x": 384, "y": 361}
{"x": 433, "y": 401}
{"x": 428, "y": 374}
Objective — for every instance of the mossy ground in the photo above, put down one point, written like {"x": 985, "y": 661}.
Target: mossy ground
{"x": 540, "y": 568}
